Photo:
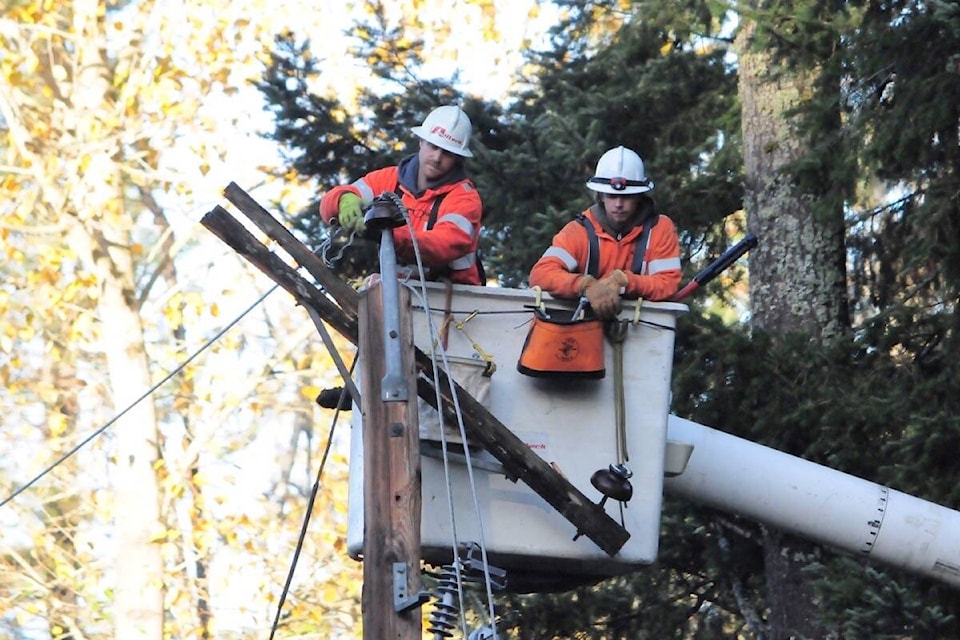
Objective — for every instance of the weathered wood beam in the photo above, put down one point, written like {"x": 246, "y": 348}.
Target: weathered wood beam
{"x": 223, "y": 225}
{"x": 392, "y": 496}
{"x": 345, "y": 295}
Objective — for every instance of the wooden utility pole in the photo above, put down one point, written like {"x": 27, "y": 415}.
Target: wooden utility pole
{"x": 391, "y": 480}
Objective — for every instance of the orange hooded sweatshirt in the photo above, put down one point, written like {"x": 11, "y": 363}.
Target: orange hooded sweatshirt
{"x": 450, "y": 247}
{"x": 561, "y": 267}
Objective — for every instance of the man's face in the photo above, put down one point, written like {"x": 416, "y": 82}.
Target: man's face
{"x": 620, "y": 209}
{"x": 434, "y": 161}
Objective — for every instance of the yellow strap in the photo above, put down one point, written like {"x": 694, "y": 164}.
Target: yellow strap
{"x": 538, "y": 299}
{"x": 636, "y": 311}
{"x": 486, "y": 357}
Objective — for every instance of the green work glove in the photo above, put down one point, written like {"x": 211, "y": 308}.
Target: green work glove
{"x": 350, "y": 212}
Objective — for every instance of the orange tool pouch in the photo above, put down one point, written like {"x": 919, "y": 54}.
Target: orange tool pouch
{"x": 558, "y": 346}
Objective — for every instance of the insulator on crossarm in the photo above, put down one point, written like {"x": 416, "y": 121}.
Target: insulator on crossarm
{"x": 446, "y": 609}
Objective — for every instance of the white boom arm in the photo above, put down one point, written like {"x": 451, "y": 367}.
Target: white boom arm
{"x": 816, "y": 502}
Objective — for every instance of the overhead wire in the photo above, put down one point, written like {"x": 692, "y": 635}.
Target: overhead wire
{"x": 96, "y": 433}
{"x": 309, "y": 510}
{"x": 100, "y": 430}
{"x": 434, "y": 336}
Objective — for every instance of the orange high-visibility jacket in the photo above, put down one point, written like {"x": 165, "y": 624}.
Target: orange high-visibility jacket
{"x": 559, "y": 269}
{"x": 450, "y": 247}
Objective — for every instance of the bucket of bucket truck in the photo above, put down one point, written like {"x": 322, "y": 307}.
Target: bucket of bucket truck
{"x": 570, "y": 424}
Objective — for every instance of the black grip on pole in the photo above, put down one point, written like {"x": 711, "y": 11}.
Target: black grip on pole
{"x": 713, "y": 269}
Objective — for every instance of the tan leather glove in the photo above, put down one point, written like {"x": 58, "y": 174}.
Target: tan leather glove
{"x": 604, "y": 294}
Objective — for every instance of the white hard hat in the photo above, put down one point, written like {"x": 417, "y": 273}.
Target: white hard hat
{"x": 447, "y": 127}
{"x": 620, "y": 171}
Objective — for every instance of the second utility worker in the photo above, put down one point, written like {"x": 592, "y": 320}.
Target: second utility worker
{"x": 620, "y": 246}
{"x": 443, "y": 204}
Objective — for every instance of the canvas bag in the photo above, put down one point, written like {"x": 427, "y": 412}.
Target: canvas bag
{"x": 474, "y": 376}
{"x": 563, "y": 344}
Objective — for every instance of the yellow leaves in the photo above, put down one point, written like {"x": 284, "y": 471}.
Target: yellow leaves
{"x": 310, "y": 392}
{"x": 182, "y": 404}
{"x": 14, "y": 254}
{"x": 173, "y": 315}
{"x": 56, "y": 424}
{"x": 163, "y": 535}
{"x": 185, "y": 305}
{"x": 330, "y": 594}
{"x": 199, "y": 479}
{"x": 83, "y": 329}
{"x": 26, "y": 333}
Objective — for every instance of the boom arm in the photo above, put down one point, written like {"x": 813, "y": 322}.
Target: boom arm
{"x": 815, "y": 502}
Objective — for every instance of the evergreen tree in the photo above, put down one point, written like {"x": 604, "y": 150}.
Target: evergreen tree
{"x": 873, "y": 133}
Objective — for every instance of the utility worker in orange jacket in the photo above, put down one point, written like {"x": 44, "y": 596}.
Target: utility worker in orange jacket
{"x": 622, "y": 215}
{"x": 444, "y": 206}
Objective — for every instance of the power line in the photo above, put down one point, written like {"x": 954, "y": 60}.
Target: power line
{"x": 146, "y": 394}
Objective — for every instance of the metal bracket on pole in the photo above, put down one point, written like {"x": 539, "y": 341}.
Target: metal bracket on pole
{"x": 401, "y": 601}
{"x": 394, "y": 386}
{"x": 384, "y": 214}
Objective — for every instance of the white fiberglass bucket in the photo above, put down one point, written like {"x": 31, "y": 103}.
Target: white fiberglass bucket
{"x": 571, "y": 424}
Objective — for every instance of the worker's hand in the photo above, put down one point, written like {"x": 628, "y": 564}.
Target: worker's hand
{"x": 604, "y": 295}
{"x": 616, "y": 277}
{"x": 350, "y": 212}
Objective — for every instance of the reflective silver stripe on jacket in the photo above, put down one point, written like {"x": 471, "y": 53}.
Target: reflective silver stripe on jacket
{"x": 463, "y": 262}
{"x": 366, "y": 193}
{"x": 663, "y": 264}
{"x": 461, "y": 221}
{"x": 564, "y": 256}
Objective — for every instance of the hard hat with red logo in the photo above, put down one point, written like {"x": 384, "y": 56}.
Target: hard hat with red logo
{"x": 620, "y": 172}
{"x": 447, "y": 127}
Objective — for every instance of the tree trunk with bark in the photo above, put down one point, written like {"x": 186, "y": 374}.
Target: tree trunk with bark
{"x": 102, "y": 233}
{"x": 796, "y": 280}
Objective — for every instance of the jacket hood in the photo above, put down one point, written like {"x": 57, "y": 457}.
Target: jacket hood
{"x": 409, "y": 167}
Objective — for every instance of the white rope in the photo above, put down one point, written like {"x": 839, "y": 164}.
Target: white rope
{"x": 434, "y": 337}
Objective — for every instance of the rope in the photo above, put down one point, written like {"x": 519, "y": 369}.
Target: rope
{"x": 449, "y": 319}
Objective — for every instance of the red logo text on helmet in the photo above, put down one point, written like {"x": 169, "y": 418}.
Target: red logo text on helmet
{"x": 441, "y": 132}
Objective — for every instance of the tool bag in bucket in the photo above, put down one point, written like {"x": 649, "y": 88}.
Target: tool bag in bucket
{"x": 563, "y": 344}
